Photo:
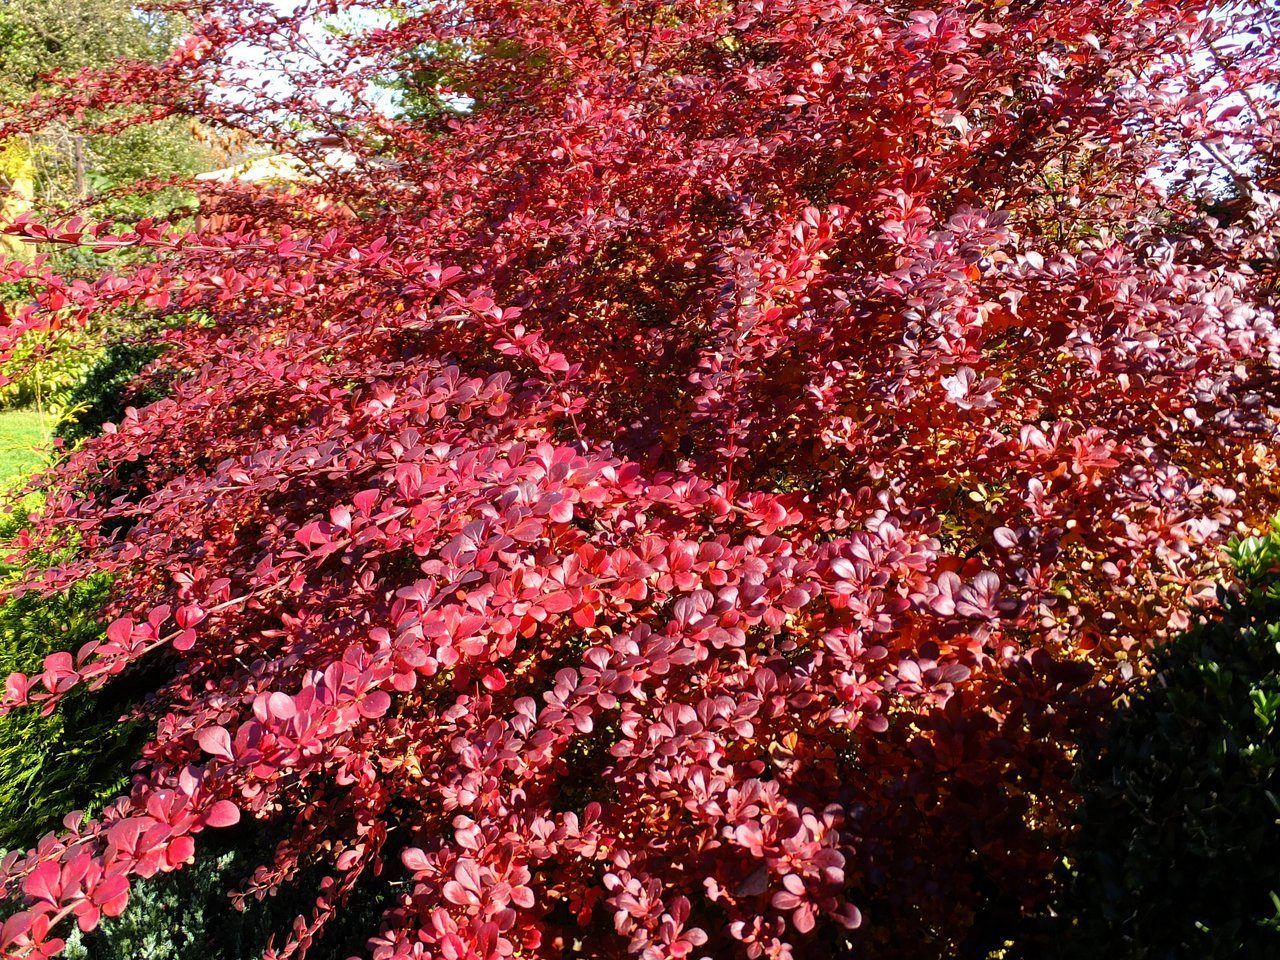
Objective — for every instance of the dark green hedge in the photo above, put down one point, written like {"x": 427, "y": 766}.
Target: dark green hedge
{"x": 78, "y": 757}
{"x": 103, "y": 394}
{"x": 1179, "y": 853}
{"x": 180, "y": 915}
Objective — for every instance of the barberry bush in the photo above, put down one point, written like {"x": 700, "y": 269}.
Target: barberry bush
{"x": 666, "y": 478}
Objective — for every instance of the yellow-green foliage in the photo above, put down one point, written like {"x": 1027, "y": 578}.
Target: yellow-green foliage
{"x": 17, "y": 188}
{"x": 45, "y": 369}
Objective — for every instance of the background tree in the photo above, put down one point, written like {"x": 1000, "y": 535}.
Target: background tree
{"x": 38, "y": 37}
{"x": 60, "y": 167}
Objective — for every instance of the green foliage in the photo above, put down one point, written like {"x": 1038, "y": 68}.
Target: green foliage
{"x": 64, "y": 166}
{"x": 172, "y": 913}
{"x": 37, "y": 36}
{"x": 103, "y": 393}
{"x": 1180, "y": 823}
{"x": 45, "y": 369}
{"x": 79, "y": 756}
{"x": 169, "y": 912}
{"x": 40, "y": 36}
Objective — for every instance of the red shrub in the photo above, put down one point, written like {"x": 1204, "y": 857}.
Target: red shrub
{"x": 688, "y": 484}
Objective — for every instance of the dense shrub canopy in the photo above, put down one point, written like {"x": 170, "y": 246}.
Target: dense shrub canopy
{"x": 680, "y": 488}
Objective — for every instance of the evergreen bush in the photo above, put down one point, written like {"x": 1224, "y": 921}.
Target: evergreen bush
{"x": 1179, "y": 851}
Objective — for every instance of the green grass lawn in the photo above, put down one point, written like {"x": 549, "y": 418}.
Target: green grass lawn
{"x": 23, "y": 442}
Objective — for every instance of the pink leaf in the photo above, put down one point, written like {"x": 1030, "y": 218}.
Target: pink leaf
{"x": 216, "y": 742}
{"x": 375, "y": 704}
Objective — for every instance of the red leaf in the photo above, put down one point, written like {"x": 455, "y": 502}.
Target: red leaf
{"x": 120, "y": 631}
{"x": 42, "y": 883}
{"x": 415, "y": 860}
{"x": 224, "y": 813}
